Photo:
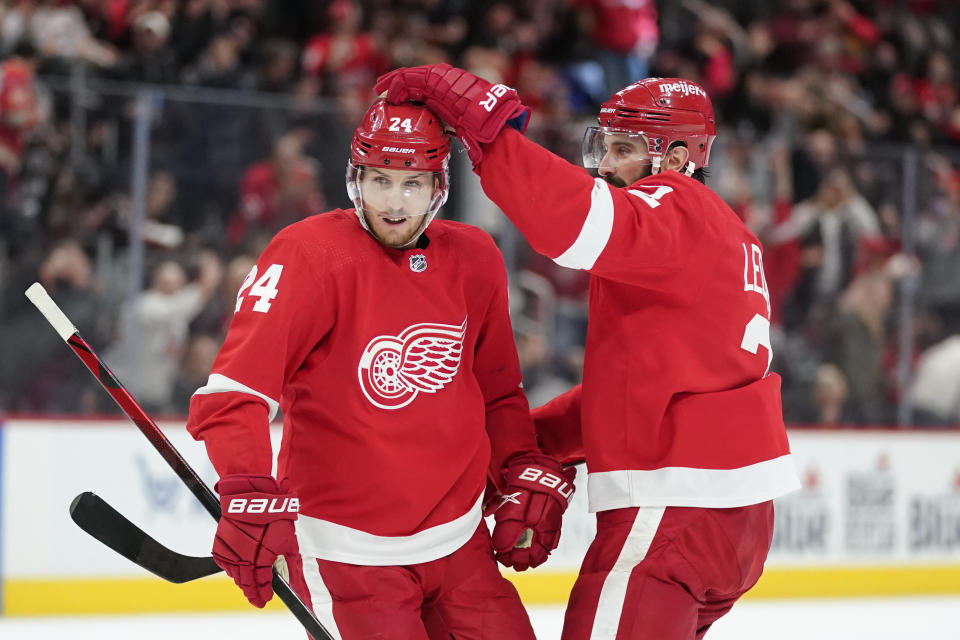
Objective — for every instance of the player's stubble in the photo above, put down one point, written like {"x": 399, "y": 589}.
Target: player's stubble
{"x": 396, "y": 235}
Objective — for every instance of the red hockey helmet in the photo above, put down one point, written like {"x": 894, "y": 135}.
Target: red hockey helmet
{"x": 401, "y": 136}
{"x": 663, "y": 111}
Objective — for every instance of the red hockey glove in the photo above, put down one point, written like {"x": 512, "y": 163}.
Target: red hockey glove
{"x": 538, "y": 491}
{"x": 256, "y": 526}
{"x": 475, "y": 108}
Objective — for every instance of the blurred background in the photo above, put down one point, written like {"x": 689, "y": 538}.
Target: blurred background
{"x": 149, "y": 149}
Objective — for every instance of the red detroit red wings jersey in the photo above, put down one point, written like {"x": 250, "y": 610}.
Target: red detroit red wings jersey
{"x": 395, "y": 371}
{"x": 677, "y": 405}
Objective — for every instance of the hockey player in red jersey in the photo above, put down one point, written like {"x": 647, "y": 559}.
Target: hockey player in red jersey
{"x": 390, "y": 353}
{"x": 678, "y": 416}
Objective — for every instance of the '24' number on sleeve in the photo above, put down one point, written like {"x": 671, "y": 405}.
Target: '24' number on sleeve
{"x": 264, "y": 288}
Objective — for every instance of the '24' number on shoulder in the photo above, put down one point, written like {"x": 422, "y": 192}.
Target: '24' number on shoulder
{"x": 264, "y": 288}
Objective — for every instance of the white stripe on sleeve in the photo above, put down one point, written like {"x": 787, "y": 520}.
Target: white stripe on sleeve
{"x": 595, "y": 233}
{"x": 217, "y": 383}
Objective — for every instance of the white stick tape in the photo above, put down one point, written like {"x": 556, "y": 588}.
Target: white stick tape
{"x": 42, "y": 300}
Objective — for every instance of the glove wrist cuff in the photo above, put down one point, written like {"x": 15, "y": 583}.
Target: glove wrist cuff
{"x": 250, "y": 482}
{"x": 536, "y": 458}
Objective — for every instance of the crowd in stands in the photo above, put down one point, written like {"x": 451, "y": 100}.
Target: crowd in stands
{"x": 839, "y": 144}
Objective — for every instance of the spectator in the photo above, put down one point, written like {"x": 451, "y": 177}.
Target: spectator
{"x": 829, "y": 395}
{"x": 35, "y": 375}
{"x": 829, "y": 226}
{"x": 19, "y": 112}
{"x": 935, "y": 393}
{"x": 624, "y": 34}
{"x": 84, "y": 215}
{"x": 937, "y": 91}
{"x": 59, "y": 30}
{"x": 151, "y": 58}
{"x": 343, "y": 58}
{"x": 217, "y": 313}
{"x": 195, "y": 24}
{"x": 276, "y": 72}
{"x": 276, "y": 67}
{"x": 859, "y": 345}
{"x": 154, "y": 328}
{"x": 938, "y": 244}
{"x": 217, "y": 142}
{"x": 218, "y": 66}
{"x": 276, "y": 192}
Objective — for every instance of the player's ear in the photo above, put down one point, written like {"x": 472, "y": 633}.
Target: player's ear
{"x": 676, "y": 158}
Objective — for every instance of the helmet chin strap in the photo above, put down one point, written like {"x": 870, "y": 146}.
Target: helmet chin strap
{"x": 690, "y": 168}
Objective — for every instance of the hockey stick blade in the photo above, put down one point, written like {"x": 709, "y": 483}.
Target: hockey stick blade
{"x": 104, "y": 523}
{"x": 82, "y": 349}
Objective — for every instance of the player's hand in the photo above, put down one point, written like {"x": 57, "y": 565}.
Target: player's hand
{"x": 475, "y": 108}
{"x": 256, "y": 526}
{"x": 528, "y": 519}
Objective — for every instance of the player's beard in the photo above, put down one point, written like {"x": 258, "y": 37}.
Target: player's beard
{"x": 616, "y": 181}
{"x": 396, "y": 237}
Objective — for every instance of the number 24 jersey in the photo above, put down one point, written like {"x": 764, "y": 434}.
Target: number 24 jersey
{"x": 398, "y": 380}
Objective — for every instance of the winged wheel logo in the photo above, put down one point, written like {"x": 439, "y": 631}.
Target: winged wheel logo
{"x": 423, "y": 358}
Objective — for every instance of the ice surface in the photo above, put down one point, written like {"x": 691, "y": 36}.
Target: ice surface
{"x": 847, "y": 619}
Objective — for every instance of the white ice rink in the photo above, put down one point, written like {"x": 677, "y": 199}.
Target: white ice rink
{"x": 848, "y": 619}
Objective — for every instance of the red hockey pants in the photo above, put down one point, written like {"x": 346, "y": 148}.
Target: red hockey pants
{"x": 666, "y": 573}
{"x": 462, "y": 595}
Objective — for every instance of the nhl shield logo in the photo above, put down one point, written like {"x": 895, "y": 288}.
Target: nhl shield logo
{"x": 418, "y": 263}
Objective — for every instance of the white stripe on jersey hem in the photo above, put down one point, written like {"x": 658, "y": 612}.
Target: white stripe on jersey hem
{"x": 594, "y": 234}
{"x": 329, "y": 541}
{"x": 217, "y": 383}
{"x": 320, "y": 597}
{"x": 690, "y": 487}
{"x": 613, "y": 593}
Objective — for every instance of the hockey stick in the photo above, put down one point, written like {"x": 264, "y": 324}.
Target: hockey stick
{"x": 59, "y": 321}
{"x": 95, "y": 516}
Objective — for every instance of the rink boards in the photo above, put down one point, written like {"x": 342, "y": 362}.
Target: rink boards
{"x": 879, "y": 515}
